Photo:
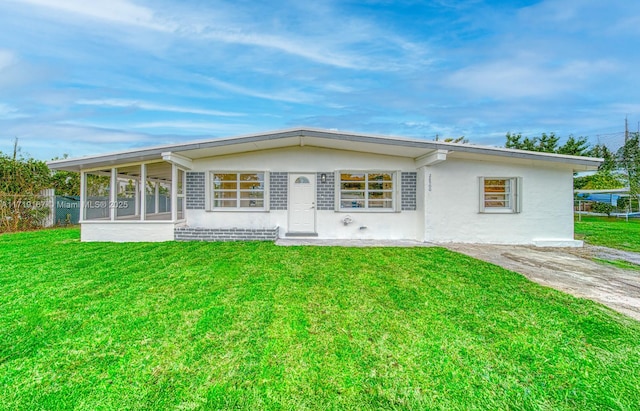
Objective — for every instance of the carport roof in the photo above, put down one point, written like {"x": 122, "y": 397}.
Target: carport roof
{"x": 396, "y": 146}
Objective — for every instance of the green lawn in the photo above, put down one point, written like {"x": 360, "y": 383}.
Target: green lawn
{"x": 610, "y": 232}
{"x": 183, "y": 326}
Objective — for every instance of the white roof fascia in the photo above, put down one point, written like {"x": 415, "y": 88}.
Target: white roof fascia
{"x": 432, "y": 159}
{"x": 155, "y": 153}
{"x": 603, "y": 191}
{"x": 178, "y": 160}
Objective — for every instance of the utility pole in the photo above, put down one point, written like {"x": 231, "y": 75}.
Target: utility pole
{"x": 626, "y": 130}
{"x": 15, "y": 148}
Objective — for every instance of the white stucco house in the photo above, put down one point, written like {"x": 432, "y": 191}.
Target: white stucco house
{"x": 329, "y": 185}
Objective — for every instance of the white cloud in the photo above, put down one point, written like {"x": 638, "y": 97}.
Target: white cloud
{"x": 155, "y": 107}
{"x": 201, "y": 127}
{"x": 7, "y": 58}
{"x": 183, "y": 125}
{"x": 46, "y": 140}
{"x": 290, "y": 96}
{"x": 228, "y": 24}
{"x": 116, "y": 11}
{"x": 519, "y": 77}
{"x": 338, "y": 88}
{"x": 9, "y": 113}
{"x": 306, "y": 48}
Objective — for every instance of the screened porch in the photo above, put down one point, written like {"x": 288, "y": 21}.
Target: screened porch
{"x": 141, "y": 192}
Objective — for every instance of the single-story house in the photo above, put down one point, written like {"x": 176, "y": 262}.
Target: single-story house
{"x": 330, "y": 185}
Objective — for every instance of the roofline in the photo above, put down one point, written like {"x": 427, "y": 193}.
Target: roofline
{"x": 603, "y": 191}
{"x": 149, "y": 153}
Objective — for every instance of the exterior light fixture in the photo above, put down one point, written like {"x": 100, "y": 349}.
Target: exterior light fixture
{"x": 323, "y": 178}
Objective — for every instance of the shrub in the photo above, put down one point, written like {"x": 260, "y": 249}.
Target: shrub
{"x": 21, "y": 182}
{"x": 602, "y": 208}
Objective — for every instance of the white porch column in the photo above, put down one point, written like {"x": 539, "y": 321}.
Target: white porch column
{"x": 83, "y": 194}
{"x": 143, "y": 191}
{"x": 136, "y": 198}
{"x": 424, "y": 198}
{"x": 156, "y": 186}
{"x": 113, "y": 194}
{"x": 174, "y": 192}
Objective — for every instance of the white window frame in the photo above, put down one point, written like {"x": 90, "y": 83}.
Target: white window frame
{"x": 211, "y": 191}
{"x": 514, "y": 198}
{"x": 395, "y": 193}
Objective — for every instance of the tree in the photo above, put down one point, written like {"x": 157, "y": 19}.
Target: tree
{"x": 575, "y": 147}
{"x": 548, "y": 143}
{"x": 66, "y": 183}
{"x": 21, "y": 182}
{"x": 610, "y": 159}
{"x": 602, "y": 180}
{"x": 516, "y": 141}
{"x": 460, "y": 139}
{"x": 629, "y": 162}
{"x": 606, "y": 177}
{"x": 545, "y": 143}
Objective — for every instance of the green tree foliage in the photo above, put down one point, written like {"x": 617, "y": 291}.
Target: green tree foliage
{"x": 607, "y": 176}
{"x": 549, "y": 143}
{"x": 23, "y": 176}
{"x": 21, "y": 182}
{"x": 461, "y": 139}
{"x": 602, "y": 180}
{"x": 575, "y": 147}
{"x": 610, "y": 163}
{"x": 66, "y": 183}
{"x": 629, "y": 162}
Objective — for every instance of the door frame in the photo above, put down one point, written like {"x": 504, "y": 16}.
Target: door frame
{"x": 291, "y": 184}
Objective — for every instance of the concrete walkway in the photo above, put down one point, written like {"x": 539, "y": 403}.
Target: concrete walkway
{"x": 351, "y": 243}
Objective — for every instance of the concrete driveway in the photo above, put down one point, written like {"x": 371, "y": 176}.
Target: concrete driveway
{"x": 569, "y": 270}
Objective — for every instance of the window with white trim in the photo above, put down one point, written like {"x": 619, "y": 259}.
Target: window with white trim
{"x": 366, "y": 190}
{"x": 500, "y": 194}
{"x": 242, "y": 190}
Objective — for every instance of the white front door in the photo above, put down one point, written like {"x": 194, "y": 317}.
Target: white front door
{"x": 302, "y": 206}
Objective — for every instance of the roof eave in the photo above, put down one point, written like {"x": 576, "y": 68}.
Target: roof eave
{"x": 155, "y": 153}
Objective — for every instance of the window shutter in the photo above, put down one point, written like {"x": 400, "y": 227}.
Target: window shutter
{"x": 397, "y": 191}
{"x": 266, "y": 197}
{"x": 518, "y": 194}
{"x": 336, "y": 188}
{"x": 481, "y": 193}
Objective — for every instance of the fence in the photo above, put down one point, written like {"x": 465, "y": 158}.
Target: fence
{"x": 67, "y": 210}
{"x": 622, "y": 206}
{"x": 26, "y": 211}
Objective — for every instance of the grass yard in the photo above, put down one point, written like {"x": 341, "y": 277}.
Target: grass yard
{"x": 609, "y": 232}
{"x": 91, "y": 326}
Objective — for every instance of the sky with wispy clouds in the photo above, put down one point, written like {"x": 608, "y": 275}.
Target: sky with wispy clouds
{"x": 86, "y": 77}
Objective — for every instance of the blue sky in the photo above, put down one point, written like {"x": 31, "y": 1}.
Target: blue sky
{"x": 86, "y": 77}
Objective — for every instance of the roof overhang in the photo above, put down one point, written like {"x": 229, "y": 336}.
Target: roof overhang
{"x": 604, "y": 191}
{"x": 427, "y": 152}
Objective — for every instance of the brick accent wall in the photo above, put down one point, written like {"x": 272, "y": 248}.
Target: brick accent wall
{"x": 225, "y": 234}
{"x": 195, "y": 190}
{"x": 325, "y": 192}
{"x": 409, "y": 182}
{"x": 278, "y": 190}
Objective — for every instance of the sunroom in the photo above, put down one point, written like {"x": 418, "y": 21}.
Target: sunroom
{"x": 149, "y": 196}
